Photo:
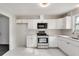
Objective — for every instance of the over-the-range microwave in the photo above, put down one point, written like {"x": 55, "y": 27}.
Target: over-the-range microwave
{"x": 42, "y": 25}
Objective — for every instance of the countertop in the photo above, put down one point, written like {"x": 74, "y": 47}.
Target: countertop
{"x": 69, "y": 37}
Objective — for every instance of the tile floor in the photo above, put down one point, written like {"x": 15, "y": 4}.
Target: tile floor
{"x": 34, "y": 52}
{"x": 3, "y": 49}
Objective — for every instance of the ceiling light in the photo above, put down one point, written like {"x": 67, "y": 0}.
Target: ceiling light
{"x": 44, "y": 4}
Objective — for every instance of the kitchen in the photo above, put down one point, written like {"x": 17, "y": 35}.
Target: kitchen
{"x": 51, "y": 33}
{"x": 46, "y": 30}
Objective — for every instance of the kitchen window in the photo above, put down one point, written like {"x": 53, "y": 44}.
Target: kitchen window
{"x": 77, "y": 24}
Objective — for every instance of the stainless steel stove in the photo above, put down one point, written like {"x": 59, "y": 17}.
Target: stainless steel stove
{"x": 42, "y": 39}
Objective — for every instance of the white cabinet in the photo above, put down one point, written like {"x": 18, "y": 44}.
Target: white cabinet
{"x": 32, "y": 24}
{"x": 72, "y": 50}
{"x": 34, "y": 41}
{"x": 52, "y": 24}
{"x": 52, "y": 41}
{"x": 57, "y": 23}
{"x": 60, "y": 23}
{"x": 31, "y": 42}
{"x": 61, "y": 43}
{"x": 68, "y": 22}
{"x": 68, "y": 46}
{"x": 21, "y": 21}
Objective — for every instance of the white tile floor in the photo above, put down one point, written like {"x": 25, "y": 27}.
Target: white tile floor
{"x": 34, "y": 52}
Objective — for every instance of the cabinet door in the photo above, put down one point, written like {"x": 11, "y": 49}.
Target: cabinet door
{"x": 60, "y": 23}
{"x": 34, "y": 41}
{"x": 30, "y": 24}
{"x": 51, "y": 24}
{"x": 72, "y": 49}
{"x": 52, "y": 42}
{"x": 29, "y": 42}
{"x": 68, "y": 47}
{"x": 68, "y": 22}
{"x": 61, "y": 44}
{"x": 22, "y": 21}
{"x": 33, "y": 24}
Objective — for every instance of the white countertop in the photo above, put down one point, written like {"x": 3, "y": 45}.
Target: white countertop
{"x": 69, "y": 37}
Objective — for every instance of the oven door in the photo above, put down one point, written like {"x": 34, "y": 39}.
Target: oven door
{"x": 42, "y": 40}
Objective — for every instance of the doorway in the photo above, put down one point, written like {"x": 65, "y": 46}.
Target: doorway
{"x": 4, "y": 34}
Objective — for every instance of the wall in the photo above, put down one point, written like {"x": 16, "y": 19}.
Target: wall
{"x": 21, "y": 32}
{"x": 4, "y": 30}
{"x": 12, "y": 32}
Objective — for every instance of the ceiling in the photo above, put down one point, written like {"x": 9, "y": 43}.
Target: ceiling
{"x": 35, "y": 9}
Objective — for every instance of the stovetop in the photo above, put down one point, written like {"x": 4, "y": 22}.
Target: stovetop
{"x": 41, "y": 33}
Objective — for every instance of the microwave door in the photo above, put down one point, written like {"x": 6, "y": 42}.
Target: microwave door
{"x": 42, "y": 25}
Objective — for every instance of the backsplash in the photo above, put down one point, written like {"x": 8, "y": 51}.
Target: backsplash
{"x": 69, "y": 33}
{"x": 50, "y": 32}
{"x": 53, "y": 32}
{"x": 66, "y": 32}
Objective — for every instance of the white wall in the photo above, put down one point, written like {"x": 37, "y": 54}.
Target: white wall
{"x": 4, "y": 30}
{"x": 12, "y": 32}
{"x": 21, "y": 34}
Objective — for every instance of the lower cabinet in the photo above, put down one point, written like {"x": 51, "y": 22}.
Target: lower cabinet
{"x": 68, "y": 46}
{"x": 52, "y": 41}
{"x": 34, "y": 41}
{"x": 31, "y": 42}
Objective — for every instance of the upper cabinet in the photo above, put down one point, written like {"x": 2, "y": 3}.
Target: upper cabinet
{"x": 32, "y": 24}
{"x": 51, "y": 24}
{"x": 61, "y": 23}
{"x": 68, "y": 20}
{"x": 21, "y": 21}
{"x": 56, "y": 24}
